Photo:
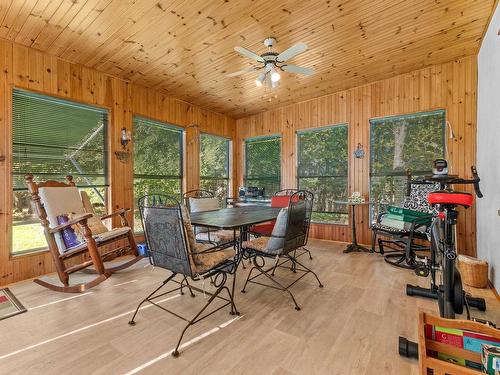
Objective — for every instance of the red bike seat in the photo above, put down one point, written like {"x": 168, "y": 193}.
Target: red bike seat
{"x": 454, "y": 198}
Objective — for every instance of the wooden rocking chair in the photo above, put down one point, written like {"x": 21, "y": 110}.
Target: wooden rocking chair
{"x": 52, "y": 199}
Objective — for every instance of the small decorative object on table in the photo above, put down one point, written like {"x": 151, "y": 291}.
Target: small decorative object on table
{"x": 356, "y": 197}
{"x": 9, "y": 305}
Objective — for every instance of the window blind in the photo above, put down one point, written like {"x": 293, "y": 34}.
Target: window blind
{"x": 322, "y": 168}
{"x": 214, "y": 164}
{"x": 263, "y": 163}
{"x": 53, "y": 138}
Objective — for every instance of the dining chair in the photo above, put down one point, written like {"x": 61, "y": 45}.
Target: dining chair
{"x": 202, "y": 201}
{"x": 172, "y": 246}
{"x": 280, "y": 199}
{"x": 72, "y": 229}
{"x": 289, "y": 234}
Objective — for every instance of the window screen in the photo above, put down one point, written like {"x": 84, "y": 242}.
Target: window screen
{"x": 399, "y": 144}
{"x": 214, "y": 164}
{"x": 51, "y": 139}
{"x": 323, "y": 170}
{"x": 263, "y": 163}
{"x": 157, "y": 160}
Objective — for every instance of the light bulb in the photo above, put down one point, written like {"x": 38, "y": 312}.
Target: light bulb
{"x": 275, "y": 76}
{"x": 260, "y": 80}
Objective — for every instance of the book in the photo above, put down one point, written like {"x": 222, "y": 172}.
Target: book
{"x": 452, "y": 337}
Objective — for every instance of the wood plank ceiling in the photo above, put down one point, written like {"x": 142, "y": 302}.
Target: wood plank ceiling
{"x": 185, "y": 48}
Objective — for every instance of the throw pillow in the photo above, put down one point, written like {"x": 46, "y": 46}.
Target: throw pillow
{"x": 275, "y": 244}
{"x": 69, "y": 235}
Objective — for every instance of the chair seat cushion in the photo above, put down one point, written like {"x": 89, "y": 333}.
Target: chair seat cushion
{"x": 204, "y": 262}
{"x": 264, "y": 229}
{"x": 100, "y": 238}
{"x": 391, "y": 230}
{"x": 217, "y": 236}
{"x": 259, "y": 244}
{"x": 113, "y": 233}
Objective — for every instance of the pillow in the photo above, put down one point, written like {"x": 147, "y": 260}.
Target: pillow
{"x": 203, "y": 204}
{"x": 188, "y": 229}
{"x": 69, "y": 236}
{"x": 59, "y": 201}
{"x": 275, "y": 244}
{"x": 94, "y": 223}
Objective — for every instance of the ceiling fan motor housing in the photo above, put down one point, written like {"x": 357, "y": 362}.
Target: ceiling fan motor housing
{"x": 270, "y": 42}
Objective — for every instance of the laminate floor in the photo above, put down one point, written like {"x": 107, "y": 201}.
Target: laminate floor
{"x": 350, "y": 326}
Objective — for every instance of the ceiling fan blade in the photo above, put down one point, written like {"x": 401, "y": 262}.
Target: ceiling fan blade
{"x": 291, "y": 52}
{"x": 297, "y": 69}
{"x": 249, "y": 54}
{"x": 243, "y": 71}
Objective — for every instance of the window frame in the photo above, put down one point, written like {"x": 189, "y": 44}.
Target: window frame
{"x": 106, "y": 158}
{"x": 245, "y": 154}
{"x": 414, "y": 173}
{"x": 182, "y": 161}
{"x": 298, "y": 177}
{"x": 228, "y": 162}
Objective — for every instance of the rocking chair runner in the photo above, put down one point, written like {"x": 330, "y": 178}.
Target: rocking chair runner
{"x": 52, "y": 199}
{"x": 172, "y": 246}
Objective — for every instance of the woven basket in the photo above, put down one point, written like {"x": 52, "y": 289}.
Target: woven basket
{"x": 474, "y": 271}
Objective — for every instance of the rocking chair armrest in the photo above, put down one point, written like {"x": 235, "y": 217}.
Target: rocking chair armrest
{"x": 119, "y": 212}
{"x": 76, "y": 220}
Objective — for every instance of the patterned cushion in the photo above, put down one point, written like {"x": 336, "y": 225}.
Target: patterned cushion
{"x": 259, "y": 244}
{"x": 186, "y": 218}
{"x": 217, "y": 236}
{"x": 417, "y": 200}
{"x": 206, "y": 261}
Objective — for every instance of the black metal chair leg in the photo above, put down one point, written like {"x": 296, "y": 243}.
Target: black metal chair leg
{"x": 281, "y": 287}
{"x": 175, "y": 353}
{"x": 248, "y": 278}
{"x": 309, "y": 252}
{"x": 311, "y": 271}
{"x": 189, "y": 287}
{"x": 132, "y": 322}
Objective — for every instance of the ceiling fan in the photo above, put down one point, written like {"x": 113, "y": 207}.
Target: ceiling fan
{"x": 272, "y": 62}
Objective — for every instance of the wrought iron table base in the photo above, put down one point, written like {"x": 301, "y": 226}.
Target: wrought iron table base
{"x": 354, "y": 247}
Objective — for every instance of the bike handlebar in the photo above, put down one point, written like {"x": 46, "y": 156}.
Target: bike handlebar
{"x": 452, "y": 180}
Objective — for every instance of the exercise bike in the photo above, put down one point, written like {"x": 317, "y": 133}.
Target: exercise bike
{"x": 450, "y": 294}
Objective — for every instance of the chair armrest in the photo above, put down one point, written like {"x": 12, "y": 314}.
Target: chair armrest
{"x": 76, "y": 220}
{"x": 120, "y": 212}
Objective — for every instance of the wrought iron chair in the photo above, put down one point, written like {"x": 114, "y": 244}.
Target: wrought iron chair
{"x": 172, "y": 246}
{"x": 280, "y": 199}
{"x": 54, "y": 201}
{"x": 204, "y": 200}
{"x": 402, "y": 241}
{"x": 289, "y": 234}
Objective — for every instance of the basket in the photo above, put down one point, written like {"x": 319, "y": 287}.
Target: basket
{"x": 474, "y": 271}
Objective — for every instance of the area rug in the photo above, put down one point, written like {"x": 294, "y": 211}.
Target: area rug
{"x": 9, "y": 304}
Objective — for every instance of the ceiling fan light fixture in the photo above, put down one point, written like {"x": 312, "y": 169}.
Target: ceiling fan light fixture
{"x": 275, "y": 76}
{"x": 260, "y": 80}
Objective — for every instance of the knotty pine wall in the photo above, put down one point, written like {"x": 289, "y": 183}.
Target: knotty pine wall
{"x": 451, "y": 86}
{"x": 29, "y": 69}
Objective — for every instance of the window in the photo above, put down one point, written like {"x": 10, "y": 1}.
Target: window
{"x": 402, "y": 143}
{"x": 51, "y": 139}
{"x": 263, "y": 163}
{"x": 157, "y": 161}
{"x": 214, "y": 164}
{"x": 323, "y": 169}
